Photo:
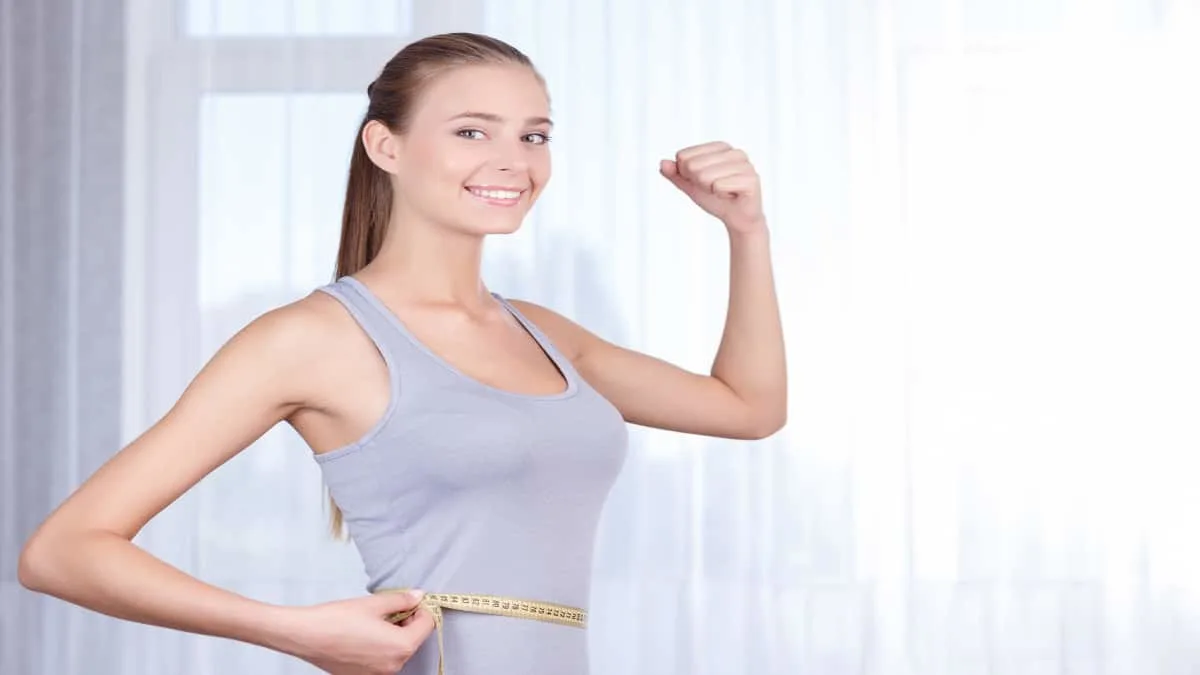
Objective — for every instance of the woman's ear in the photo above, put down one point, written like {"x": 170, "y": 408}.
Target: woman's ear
{"x": 382, "y": 146}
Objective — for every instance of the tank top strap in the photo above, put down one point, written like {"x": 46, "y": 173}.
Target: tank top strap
{"x": 541, "y": 338}
{"x": 368, "y": 317}
{"x": 375, "y": 324}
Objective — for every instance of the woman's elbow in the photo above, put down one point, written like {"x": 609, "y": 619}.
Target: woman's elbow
{"x": 767, "y": 425}
{"x": 41, "y": 556}
{"x": 33, "y": 564}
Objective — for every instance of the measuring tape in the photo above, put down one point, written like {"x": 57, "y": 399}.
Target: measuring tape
{"x": 496, "y": 605}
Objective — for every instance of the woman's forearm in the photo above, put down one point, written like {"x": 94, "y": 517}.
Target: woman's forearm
{"x": 751, "y": 357}
{"x": 109, "y": 574}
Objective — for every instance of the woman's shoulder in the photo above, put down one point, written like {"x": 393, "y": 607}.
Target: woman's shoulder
{"x": 304, "y": 343}
{"x": 301, "y": 329}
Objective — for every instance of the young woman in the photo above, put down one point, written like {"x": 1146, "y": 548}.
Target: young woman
{"x": 468, "y": 441}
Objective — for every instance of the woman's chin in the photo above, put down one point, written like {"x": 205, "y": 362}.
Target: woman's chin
{"x": 486, "y": 226}
{"x": 504, "y": 230}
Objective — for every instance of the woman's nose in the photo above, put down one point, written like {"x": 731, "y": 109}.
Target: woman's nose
{"x": 511, "y": 157}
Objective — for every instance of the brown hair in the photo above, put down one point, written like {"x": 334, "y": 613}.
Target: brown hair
{"x": 368, "y": 207}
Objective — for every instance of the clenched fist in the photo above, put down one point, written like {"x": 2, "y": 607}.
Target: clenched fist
{"x": 721, "y": 180}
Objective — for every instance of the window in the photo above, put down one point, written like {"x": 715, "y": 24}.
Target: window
{"x": 272, "y": 168}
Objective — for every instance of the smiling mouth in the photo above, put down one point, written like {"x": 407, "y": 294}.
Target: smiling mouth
{"x": 496, "y": 196}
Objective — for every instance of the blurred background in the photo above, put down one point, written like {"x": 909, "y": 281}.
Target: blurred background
{"x": 985, "y": 221}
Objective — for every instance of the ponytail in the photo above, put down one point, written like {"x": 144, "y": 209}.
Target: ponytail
{"x": 366, "y": 212}
{"x": 365, "y": 217}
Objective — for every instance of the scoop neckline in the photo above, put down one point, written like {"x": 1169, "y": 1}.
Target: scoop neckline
{"x": 530, "y": 329}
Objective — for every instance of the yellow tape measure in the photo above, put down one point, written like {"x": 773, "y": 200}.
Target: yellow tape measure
{"x": 496, "y": 605}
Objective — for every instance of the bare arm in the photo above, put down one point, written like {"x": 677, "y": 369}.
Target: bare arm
{"x": 745, "y": 393}
{"x": 83, "y": 553}
{"x": 750, "y": 359}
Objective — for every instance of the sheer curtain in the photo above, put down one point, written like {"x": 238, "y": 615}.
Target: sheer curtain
{"x": 984, "y": 225}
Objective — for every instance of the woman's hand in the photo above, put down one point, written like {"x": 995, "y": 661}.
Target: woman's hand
{"x": 354, "y": 637}
{"x": 721, "y": 180}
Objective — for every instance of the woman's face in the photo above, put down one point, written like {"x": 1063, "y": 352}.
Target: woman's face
{"x": 475, "y": 156}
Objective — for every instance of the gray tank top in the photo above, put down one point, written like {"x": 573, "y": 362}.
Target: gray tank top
{"x": 461, "y": 487}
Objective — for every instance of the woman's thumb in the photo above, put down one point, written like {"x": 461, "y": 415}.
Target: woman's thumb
{"x": 670, "y": 170}
{"x": 400, "y": 604}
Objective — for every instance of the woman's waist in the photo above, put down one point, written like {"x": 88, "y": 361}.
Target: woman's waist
{"x": 483, "y": 632}
{"x": 476, "y": 579}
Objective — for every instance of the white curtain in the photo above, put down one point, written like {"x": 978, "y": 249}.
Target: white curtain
{"x": 985, "y": 223}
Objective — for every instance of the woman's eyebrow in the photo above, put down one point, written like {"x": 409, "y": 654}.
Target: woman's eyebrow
{"x": 492, "y": 117}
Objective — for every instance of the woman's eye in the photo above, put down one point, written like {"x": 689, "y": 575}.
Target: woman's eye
{"x": 537, "y": 138}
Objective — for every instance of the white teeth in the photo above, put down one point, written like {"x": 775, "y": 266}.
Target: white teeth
{"x": 495, "y": 194}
